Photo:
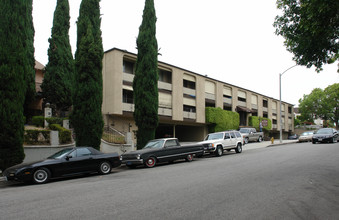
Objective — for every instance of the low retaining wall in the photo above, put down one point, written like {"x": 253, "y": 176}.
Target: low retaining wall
{"x": 36, "y": 152}
{"x": 106, "y": 147}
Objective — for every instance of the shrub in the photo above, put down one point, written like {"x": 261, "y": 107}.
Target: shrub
{"x": 54, "y": 120}
{"x": 32, "y": 136}
{"x": 38, "y": 121}
{"x": 222, "y": 120}
{"x": 254, "y": 122}
{"x": 65, "y": 135}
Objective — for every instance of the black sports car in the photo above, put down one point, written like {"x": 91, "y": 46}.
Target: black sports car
{"x": 325, "y": 135}
{"x": 69, "y": 161}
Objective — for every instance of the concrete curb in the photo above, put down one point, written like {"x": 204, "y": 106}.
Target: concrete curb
{"x": 284, "y": 143}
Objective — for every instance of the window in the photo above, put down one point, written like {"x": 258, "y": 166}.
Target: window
{"x": 171, "y": 143}
{"x": 265, "y": 115}
{"x": 209, "y": 87}
{"x": 227, "y": 92}
{"x": 241, "y": 96}
{"x": 209, "y": 104}
{"x": 238, "y": 134}
{"x": 227, "y": 136}
{"x": 189, "y": 108}
{"x": 274, "y": 121}
{"x": 165, "y": 76}
{"x": 128, "y": 67}
{"x": 232, "y": 135}
{"x": 189, "y": 84}
{"x": 127, "y": 96}
{"x": 265, "y": 103}
{"x": 83, "y": 152}
{"x": 289, "y": 110}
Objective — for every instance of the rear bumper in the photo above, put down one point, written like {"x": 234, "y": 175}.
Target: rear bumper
{"x": 133, "y": 162}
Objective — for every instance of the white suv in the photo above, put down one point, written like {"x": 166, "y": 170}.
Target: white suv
{"x": 216, "y": 143}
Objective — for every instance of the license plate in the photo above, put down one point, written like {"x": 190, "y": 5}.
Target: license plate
{"x": 129, "y": 163}
{"x": 320, "y": 139}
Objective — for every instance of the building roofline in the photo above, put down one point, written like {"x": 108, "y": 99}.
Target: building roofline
{"x": 205, "y": 76}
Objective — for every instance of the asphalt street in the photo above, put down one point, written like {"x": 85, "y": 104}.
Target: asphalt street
{"x": 292, "y": 181}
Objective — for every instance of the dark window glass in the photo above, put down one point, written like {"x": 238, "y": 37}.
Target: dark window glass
{"x": 128, "y": 67}
{"x": 127, "y": 96}
{"x": 189, "y": 84}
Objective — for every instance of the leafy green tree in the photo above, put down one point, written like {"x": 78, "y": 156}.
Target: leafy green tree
{"x": 87, "y": 116}
{"x": 59, "y": 76}
{"x": 310, "y": 105}
{"x": 145, "y": 83}
{"x": 331, "y": 102}
{"x": 310, "y": 29}
{"x": 16, "y": 34}
{"x": 321, "y": 104}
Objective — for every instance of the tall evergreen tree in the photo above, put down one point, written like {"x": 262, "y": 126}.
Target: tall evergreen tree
{"x": 16, "y": 52}
{"x": 58, "y": 79}
{"x": 145, "y": 83}
{"x": 87, "y": 116}
{"x": 28, "y": 35}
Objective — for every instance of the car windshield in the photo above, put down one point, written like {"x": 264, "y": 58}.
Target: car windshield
{"x": 61, "y": 153}
{"x": 154, "y": 144}
{"x": 215, "y": 136}
{"x": 244, "y": 130}
{"x": 324, "y": 131}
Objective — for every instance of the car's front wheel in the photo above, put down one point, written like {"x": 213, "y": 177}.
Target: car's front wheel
{"x": 41, "y": 175}
{"x": 219, "y": 151}
{"x": 260, "y": 139}
{"x": 105, "y": 167}
{"x": 246, "y": 140}
{"x": 150, "y": 162}
{"x": 238, "y": 149}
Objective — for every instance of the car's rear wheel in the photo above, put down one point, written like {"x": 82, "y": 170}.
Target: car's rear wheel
{"x": 238, "y": 149}
{"x": 219, "y": 151}
{"x": 105, "y": 167}
{"x": 150, "y": 162}
{"x": 41, "y": 175}
{"x": 189, "y": 157}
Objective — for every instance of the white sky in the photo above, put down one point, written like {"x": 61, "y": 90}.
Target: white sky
{"x": 230, "y": 41}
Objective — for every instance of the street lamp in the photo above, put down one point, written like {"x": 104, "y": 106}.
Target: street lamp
{"x": 280, "y": 74}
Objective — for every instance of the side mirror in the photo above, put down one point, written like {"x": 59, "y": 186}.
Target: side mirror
{"x": 68, "y": 157}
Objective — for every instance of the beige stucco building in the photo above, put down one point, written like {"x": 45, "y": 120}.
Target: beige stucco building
{"x": 183, "y": 96}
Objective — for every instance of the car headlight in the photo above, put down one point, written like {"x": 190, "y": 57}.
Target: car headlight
{"x": 138, "y": 157}
{"x": 210, "y": 145}
{"x": 120, "y": 157}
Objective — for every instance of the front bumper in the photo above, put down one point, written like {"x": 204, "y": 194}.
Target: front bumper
{"x": 209, "y": 150}
{"x": 322, "y": 139}
{"x": 133, "y": 162}
{"x": 20, "y": 177}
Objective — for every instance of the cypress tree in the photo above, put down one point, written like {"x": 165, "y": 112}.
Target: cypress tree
{"x": 145, "y": 83}
{"x": 16, "y": 65}
{"x": 28, "y": 36}
{"x": 58, "y": 79}
{"x": 87, "y": 116}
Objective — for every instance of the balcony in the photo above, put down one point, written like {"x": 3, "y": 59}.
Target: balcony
{"x": 190, "y": 115}
{"x": 164, "y": 85}
{"x": 127, "y": 107}
{"x": 189, "y": 91}
{"x": 165, "y": 111}
{"x": 127, "y": 77}
{"x": 241, "y": 103}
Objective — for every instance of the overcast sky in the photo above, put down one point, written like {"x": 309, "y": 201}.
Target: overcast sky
{"x": 230, "y": 41}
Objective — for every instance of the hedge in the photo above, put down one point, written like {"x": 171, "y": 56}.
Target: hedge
{"x": 221, "y": 120}
{"x": 65, "y": 135}
{"x": 32, "y": 137}
{"x": 254, "y": 122}
{"x": 54, "y": 120}
{"x": 38, "y": 121}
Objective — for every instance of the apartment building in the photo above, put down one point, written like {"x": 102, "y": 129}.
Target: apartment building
{"x": 183, "y": 96}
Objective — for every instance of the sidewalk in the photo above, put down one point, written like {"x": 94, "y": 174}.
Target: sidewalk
{"x": 263, "y": 144}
